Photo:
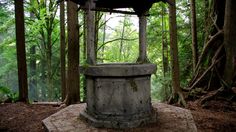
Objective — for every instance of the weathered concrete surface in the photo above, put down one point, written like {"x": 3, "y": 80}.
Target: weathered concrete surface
{"x": 119, "y": 70}
{"x": 169, "y": 119}
{"x": 118, "y": 95}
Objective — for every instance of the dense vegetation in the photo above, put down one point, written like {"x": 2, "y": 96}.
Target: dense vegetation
{"x": 117, "y": 41}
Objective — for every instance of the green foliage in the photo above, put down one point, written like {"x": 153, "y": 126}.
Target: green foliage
{"x": 7, "y": 95}
{"x": 118, "y": 43}
{"x": 161, "y": 88}
{"x": 121, "y": 44}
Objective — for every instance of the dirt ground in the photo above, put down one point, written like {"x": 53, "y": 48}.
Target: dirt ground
{"x": 215, "y": 116}
{"x": 19, "y": 117}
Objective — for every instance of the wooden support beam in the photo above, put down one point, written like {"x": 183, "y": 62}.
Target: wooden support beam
{"x": 142, "y": 40}
{"x": 20, "y": 47}
{"x": 114, "y": 11}
{"x": 110, "y": 10}
{"x": 90, "y": 24}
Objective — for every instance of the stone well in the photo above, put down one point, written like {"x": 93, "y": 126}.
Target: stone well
{"x": 118, "y": 95}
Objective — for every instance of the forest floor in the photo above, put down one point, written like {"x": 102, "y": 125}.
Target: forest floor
{"x": 19, "y": 117}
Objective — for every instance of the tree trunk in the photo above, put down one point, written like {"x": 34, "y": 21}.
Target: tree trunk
{"x": 32, "y": 64}
{"x": 97, "y": 20}
{"x": 43, "y": 87}
{"x": 209, "y": 74}
{"x": 165, "y": 60}
{"x": 122, "y": 38}
{"x": 20, "y": 47}
{"x": 62, "y": 49}
{"x": 164, "y": 45}
{"x": 176, "y": 90}
{"x": 104, "y": 37}
{"x": 73, "y": 79}
{"x": 49, "y": 66}
{"x": 230, "y": 41}
{"x": 84, "y": 54}
{"x": 85, "y": 37}
{"x": 194, "y": 34}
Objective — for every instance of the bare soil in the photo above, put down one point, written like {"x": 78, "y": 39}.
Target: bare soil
{"x": 214, "y": 116}
{"x": 20, "y": 117}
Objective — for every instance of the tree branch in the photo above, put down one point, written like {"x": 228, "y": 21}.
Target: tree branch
{"x": 118, "y": 39}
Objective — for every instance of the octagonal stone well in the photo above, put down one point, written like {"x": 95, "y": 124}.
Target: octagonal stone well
{"x": 118, "y": 95}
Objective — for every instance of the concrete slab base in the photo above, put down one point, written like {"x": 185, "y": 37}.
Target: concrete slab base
{"x": 114, "y": 123}
{"x": 169, "y": 118}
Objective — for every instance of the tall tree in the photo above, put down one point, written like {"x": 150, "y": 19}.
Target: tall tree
{"x": 122, "y": 37}
{"x": 164, "y": 43}
{"x": 98, "y": 16}
{"x": 194, "y": 33}
{"x": 84, "y": 53}
{"x": 63, "y": 48}
{"x": 104, "y": 36}
{"x": 21, "y": 55}
{"x": 217, "y": 54}
{"x": 52, "y": 7}
{"x": 45, "y": 13}
{"x": 176, "y": 90}
{"x": 32, "y": 68}
{"x": 230, "y": 41}
{"x": 73, "y": 79}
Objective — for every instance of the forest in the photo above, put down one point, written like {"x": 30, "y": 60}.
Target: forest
{"x": 192, "y": 43}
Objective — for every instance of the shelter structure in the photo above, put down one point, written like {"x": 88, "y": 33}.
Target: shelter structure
{"x": 118, "y": 94}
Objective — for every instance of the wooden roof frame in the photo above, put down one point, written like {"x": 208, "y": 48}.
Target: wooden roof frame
{"x": 140, "y": 7}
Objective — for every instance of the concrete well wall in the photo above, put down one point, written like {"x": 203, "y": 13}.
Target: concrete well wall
{"x": 118, "y": 95}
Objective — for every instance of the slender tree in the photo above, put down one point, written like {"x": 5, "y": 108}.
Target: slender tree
{"x": 164, "y": 44}
{"x": 176, "y": 90}
{"x": 84, "y": 53}
{"x": 194, "y": 33}
{"x": 98, "y": 16}
{"x": 122, "y": 37}
{"x": 73, "y": 79}
{"x": 20, "y": 47}
{"x": 104, "y": 36}
{"x": 63, "y": 48}
{"x": 45, "y": 15}
{"x": 32, "y": 65}
{"x": 165, "y": 60}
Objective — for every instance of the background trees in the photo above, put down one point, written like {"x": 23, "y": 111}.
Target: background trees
{"x": 116, "y": 41}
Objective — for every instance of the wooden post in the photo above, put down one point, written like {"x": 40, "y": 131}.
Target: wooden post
{"x": 73, "y": 79}
{"x": 21, "y": 55}
{"x": 90, "y": 23}
{"x": 142, "y": 40}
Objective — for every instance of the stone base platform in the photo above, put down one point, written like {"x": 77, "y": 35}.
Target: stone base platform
{"x": 169, "y": 119}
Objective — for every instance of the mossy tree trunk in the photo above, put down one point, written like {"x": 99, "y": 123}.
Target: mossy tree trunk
{"x": 177, "y": 95}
